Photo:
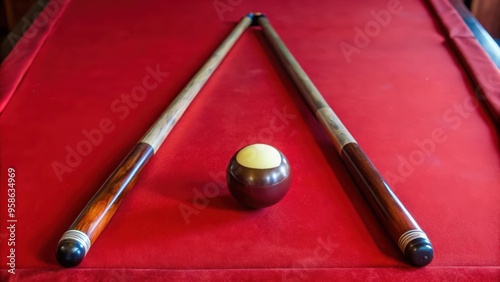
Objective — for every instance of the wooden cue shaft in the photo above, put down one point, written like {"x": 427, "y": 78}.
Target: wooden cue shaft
{"x": 399, "y": 223}
{"x": 76, "y": 242}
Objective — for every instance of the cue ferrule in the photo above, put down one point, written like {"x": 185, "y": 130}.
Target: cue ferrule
{"x": 255, "y": 16}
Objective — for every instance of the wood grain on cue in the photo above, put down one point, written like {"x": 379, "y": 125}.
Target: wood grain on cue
{"x": 398, "y": 222}
{"x": 76, "y": 242}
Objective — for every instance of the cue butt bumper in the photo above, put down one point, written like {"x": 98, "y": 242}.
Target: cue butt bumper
{"x": 72, "y": 248}
{"x": 75, "y": 243}
{"x": 398, "y": 222}
{"x": 416, "y": 247}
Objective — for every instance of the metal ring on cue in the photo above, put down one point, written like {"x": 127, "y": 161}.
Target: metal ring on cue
{"x": 409, "y": 236}
{"x": 78, "y": 236}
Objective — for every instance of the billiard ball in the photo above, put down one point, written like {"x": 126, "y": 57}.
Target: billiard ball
{"x": 258, "y": 176}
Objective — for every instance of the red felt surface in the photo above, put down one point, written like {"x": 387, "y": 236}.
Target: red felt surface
{"x": 405, "y": 97}
{"x": 26, "y": 47}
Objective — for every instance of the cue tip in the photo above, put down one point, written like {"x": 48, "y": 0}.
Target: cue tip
{"x": 70, "y": 252}
{"x": 420, "y": 252}
{"x": 255, "y": 16}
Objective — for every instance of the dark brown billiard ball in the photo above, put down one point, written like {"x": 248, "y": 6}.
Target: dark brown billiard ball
{"x": 258, "y": 176}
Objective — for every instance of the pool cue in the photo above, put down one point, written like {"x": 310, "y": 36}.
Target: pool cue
{"x": 398, "y": 222}
{"x": 76, "y": 242}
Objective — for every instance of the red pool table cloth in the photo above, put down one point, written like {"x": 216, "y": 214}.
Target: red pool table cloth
{"x": 105, "y": 71}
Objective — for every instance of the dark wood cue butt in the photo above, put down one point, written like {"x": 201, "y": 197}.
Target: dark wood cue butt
{"x": 76, "y": 242}
{"x": 396, "y": 219}
{"x": 401, "y": 226}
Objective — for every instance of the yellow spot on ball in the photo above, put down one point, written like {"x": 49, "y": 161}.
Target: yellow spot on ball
{"x": 259, "y": 156}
